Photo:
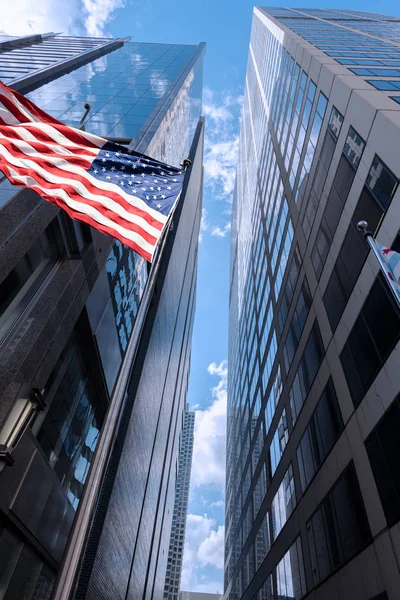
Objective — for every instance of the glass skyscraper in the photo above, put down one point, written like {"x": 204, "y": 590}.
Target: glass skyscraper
{"x": 313, "y": 484}
{"x": 178, "y": 529}
{"x": 95, "y": 345}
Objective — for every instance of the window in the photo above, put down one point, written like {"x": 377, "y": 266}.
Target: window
{"x": 288, "y": 290}
{"x": 384, "y": 85}
{"x": 296, "y": 327}
{"x": 290, "y": 577}
{"x": 381, "y": 182}
{"x": 311, "y": 146}
{"x": 335, "y": 123}
{"x": 278, "y": 443}
{"x": 375, "y": 332}
{"x": 321, "y": 433}
{"x": 22, "y": 573}
{"x": 25, "y": 279}
{"x": 260, "y": 490}
{"x": 374, "y": 200}
{"x": 283, "y": 503}
{"x": 383, "y": 447}
{"x": 263, "y": 541}
{"x": 71, "y": 428}
{"x": 265, "y": 591}
{"x": 343, "y": 180}
{"x": 273, "y": 399}
{"x": 321, "y": 172}
{"x": 339, "y": 528}
{"x": 308, "y": 367}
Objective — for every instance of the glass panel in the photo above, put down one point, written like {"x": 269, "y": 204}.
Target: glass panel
{"x": 71, "y": 428}
{"x": 383, "y": 447}
{"x": 381, "y": 182}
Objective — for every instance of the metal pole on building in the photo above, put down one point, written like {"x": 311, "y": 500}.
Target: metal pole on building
{"x": 363, "y": 226}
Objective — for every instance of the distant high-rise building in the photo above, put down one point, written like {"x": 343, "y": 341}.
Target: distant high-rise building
{"x": 95, "y": 344}
{"x": 178, "y": 529}
{"x": 313, "y": 487}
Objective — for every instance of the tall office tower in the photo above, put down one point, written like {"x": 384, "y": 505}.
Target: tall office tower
{"x": 313, "y": 487}
{"x": 95, "y": 345}
{"x": 177, "y": 541}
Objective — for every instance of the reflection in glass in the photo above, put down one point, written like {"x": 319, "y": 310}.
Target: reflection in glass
{"x": 71, "y": 428}
{"x": 290, "y": 577}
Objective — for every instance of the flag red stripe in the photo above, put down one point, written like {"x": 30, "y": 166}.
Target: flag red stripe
{"x": 84, "y": 179}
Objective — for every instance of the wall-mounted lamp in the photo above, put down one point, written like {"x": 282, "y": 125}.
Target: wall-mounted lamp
{"x": 25, "y": 408}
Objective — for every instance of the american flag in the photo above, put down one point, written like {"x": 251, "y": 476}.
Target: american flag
{"x": 118, "y": 191}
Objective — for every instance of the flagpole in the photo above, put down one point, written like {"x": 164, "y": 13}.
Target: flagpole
{"x": 363, "y": 226}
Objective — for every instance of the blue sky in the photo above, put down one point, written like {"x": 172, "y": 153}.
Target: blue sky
{"x": 225, "y": 26}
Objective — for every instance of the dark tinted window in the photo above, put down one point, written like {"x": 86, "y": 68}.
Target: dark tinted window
{"x": 22, "y": 572}
{"x": 381, "y": 182}
{"x": 339, "y": 528}
{"x": 20, "y": 285}
{"x": 372, "y": 338}
{"x": 352, "y": 256}
{"x": 383, "y": 447}
{"x": 71, "y": 428}
{"x": 343, "y": 180}
{"x": 320, "y": 435}
{"x": 308, "y": 367}
{"x": 324, "y": 161}
{"x": 296, "y": 327}
{"x": 288, "y": 289}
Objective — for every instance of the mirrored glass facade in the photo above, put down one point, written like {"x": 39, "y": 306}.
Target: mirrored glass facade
{"x": 310, "y": 354}
{"x": 72, "y": 301}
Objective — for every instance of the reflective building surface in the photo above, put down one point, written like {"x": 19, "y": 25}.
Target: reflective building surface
{"x": 95, "y": 345}
{"x": 178, "y": 530}
{"x": 313, "y": 485}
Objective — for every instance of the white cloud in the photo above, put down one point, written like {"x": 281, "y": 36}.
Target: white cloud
{"x": 203, "y": 223}
{"x": 218, "y": 232}
{"x": 204, "y": 546}
{"x": 99, "y": 13}
{"x": 211, "y": 550}
{"x": 204, "y": 541}
{"x": 208, "y": 464}
{"x": 75, "y": 17}
{"x": 222, "y": 141}
{"x": 218, "y": 504}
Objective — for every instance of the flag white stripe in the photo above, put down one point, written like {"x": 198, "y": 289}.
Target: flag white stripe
{"x": 6, "y": 116}
{"x": 80, "y": 188}
{"x": 88, "y": 210}
{"x": 105, "y": 187}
